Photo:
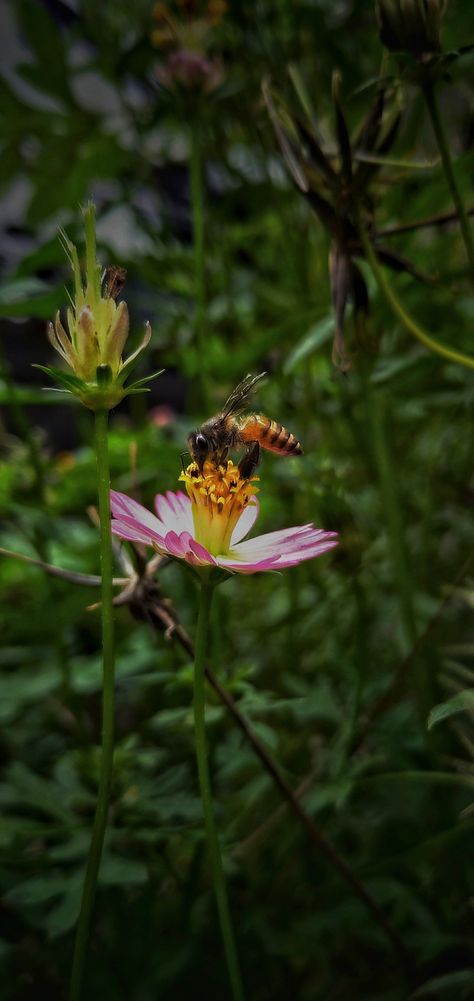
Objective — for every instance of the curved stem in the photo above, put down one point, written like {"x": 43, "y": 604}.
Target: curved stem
{"x": 108, "y": 710}
{"x": 206, "y": 793}
{"x": 197, "y": 209}
{"x": 411, "y": 325}
{"x": 443, "y": 146}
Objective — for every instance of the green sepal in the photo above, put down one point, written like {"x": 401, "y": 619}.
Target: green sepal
{"x": 219, "y": 576}
{"x": 129, "y": 365}
{"x": 93, "y": 395}
{"x": 104, "y": 375}
{"x": 70, "y": 382}
{"x": 146, "y": 378}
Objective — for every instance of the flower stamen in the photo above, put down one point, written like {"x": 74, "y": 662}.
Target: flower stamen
{"x": 218, "y": 495}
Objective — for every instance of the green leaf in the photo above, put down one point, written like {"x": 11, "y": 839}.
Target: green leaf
{"x": 316, "y": 336}
{"x": 49, "y": 72}
{"x": 20, "y": 289}
{"x": 461, "y": 702}
{"x": 26, "y": 395}
{"x": 64, "y": 916}
{"x": 117, "y": 871}
{"x": 37, "y": 890}
{"x": 26, "y": 297}
{"x": 437, "y": 987}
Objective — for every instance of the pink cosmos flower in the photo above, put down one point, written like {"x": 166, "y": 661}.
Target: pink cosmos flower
{"x": 207, "y": 527}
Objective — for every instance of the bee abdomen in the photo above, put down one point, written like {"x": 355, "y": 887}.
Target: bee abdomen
{"x": 271, "y": 435}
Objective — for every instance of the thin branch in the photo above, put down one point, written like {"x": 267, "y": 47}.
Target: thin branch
{"x": 89, "y": 580}
{"x": 440, "y": 219}
{"x": 160, "y": 615}
{"x": 322, "y": 843}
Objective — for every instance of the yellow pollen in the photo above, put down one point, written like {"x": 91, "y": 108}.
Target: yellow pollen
{"x": 218, "y": 494}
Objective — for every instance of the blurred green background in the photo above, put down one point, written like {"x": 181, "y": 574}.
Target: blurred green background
{"x": 337, "y": 663}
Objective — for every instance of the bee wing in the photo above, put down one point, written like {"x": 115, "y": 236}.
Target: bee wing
{"x": 237, "y": 398}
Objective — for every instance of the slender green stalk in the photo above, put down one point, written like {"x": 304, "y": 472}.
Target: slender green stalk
{"x": 108, "y": 710}
{"x": 206, "y": 793}
{"x": 411, "y": 325}
{"x": 443, "y": 146}
{"x": 197, "y": 209}
{"x": 390, "y": 499}
{"x": 405, "y": 584}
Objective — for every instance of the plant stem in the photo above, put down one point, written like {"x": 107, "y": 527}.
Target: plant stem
{"x": 197, "y": 209}
{"x": 394, "y": 518}
{"x": 443, "y": 146}
{"x": 411, "y": 325}
{"x": 108, "y": 709}
{"x": 206, "y": 793}
{"x": 396, "y": 537}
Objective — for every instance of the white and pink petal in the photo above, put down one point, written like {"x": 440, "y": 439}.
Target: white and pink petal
{"x": 124, "y": 506}
{"x": 246, "y": 521}
{"x": 175, "y": 511}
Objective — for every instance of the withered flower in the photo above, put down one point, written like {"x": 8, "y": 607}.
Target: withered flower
{"x": 337, "y": 182}
{"x": 411, "y": 26}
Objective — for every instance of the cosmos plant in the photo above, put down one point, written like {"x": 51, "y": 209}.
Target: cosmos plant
{"x": 91, "y": 344}
{"x": 206, "y": 530}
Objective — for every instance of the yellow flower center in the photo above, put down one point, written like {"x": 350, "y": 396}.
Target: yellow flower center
{"x": 218, "y": 495}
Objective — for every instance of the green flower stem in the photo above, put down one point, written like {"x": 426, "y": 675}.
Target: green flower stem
{"x": 398, "y": 309}
{"x": 108, "y": 709}
{"x": 206, "y": 793}
{"x": 443, "y": 146}
{"x": 197, "y": 209}
{"x": 405, "y": 584}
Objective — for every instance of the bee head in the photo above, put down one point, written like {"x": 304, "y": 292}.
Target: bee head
{"x": 198, "y": 446}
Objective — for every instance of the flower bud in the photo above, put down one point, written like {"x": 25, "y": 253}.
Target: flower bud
{"x": 97, "y": 329}
{"x": 412, "y": 26}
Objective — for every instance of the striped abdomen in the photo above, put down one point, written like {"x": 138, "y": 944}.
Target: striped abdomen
{"x": 270, "y": 434}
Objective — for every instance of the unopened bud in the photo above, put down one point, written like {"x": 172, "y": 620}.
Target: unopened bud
{"x": 412, "y": 26}
{"x": 97, "y": 329}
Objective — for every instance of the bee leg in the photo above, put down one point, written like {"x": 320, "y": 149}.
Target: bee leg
{"x": 223, "y": 455}
{"x": 250, "y": 460}
{"x": 182, "y": 460}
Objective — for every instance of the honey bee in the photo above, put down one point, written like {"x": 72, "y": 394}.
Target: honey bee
{"x": 228, "y": 429}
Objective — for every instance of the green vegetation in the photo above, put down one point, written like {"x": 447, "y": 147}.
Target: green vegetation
{"x": 285, "y": 195}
